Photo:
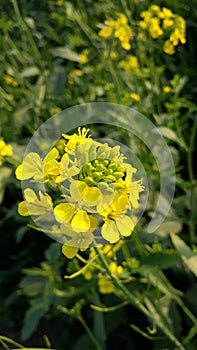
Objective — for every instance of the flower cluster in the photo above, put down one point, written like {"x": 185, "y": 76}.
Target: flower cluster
{"x": 158, "y": 21}
{"x": 5, "y": 150}
{"x": 130, "y": 65}
{"x": 9, "y": 80}
{"x": 120, "y": 29}
{"x": 95, "y": 191}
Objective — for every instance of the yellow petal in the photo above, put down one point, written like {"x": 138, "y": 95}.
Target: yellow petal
{"x": 22, "y": 209}
{"x": 53, "y": 154}
{"x": 31, "y": 165}
{"x": 30, "y": 195}
{"x": 64, "y": 212}
{"x": 81, "y": 221}
{"x": 109, "y": 232}
{"x": 76, "y": 189}
{"x": 69, "y": 252}
{"x": 120, "y": 202}
{"x": 125, "y": 225}
{"x": 91, "y": 194}
{"x": 18, "y": 172}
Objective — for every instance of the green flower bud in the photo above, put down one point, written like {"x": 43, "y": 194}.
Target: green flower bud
{"x": 105, "y": 162}
{"x": 89, "y": 180}
{"x": 100, "y": 167}
{"x": 97, "y": 174}
{"x": 110, "y": 178}
{"x": 108, "y": 172}
{"x": 87, "y": 168}
{"x": 95, "y": 162}
{"x": 118, "y": 174}
{"x": 112, "y": 166}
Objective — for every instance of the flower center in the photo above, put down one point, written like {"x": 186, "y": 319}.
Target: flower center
{"x": 101, "y": 170}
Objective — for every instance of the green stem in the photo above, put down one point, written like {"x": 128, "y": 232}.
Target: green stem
{"x": 89, "y": 333}
{"x": 192, "y": 182}
{"x": 125, "y": 292}
{"x": 26, "y": 30}
{"x": 108, "y": 309}
{"x": 126, "y": 295}
{"x": 125, "y": 251}
{"x": 8, "y": 340}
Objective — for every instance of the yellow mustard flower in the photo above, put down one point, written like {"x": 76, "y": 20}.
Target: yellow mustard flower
{"x": 95, "y": 196}
{"x": 166, "y": 88}
{"x": 158, "y": 20}
{"x": 59, "y": 2}
{"x": 135, "y": 96}
{"x": 130, "y": 64}
{"x": 75, "y": 140}
{"x": 167, "y": 22}
{"x": 116, "y": 223}
{"x": 68, "y": 213}
{"x": 55, "y": 110}
{"x": 155, "y": 8}
{"x": 34, "y": 205}
{"x": 168, "y": 48}
{"x": 120, "y": 29}
{"x": 9, "y": 80}
{"x": 83, "y": 57}
{"x": 5, "y": 150}
{"x": 78, "y": 240}
{"x": 106, "y": 32}
{"x": 105, "y": 285}
{"x": 154, "y": 28}
{"x": 34, "y": 167}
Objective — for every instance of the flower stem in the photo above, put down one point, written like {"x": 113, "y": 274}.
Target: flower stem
{"x": 89, "y": 333}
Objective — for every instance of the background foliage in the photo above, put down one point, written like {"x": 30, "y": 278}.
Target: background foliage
{"x": 52, "y": 58}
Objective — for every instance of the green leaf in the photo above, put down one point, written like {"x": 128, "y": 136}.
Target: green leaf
{"x": 32, "y": 318}
{"x": 30, "y": 72}
{"x": 171, "y": 135}
{"x": 168, "y": 227}
{"x": 32, "y": 285}
{"x": 5, "y": 173}
{"x": 164, "y": 259}
{"x": 189, "y": 258}
{"x": 66, "y": 53}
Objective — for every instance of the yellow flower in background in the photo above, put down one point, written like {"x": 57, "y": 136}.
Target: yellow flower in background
{"x": 168, "y": 48}
{"x": 105, "y": 284}
{"x": 120, "y": 29}
{"x": 106, "y": 32}
{"x": 55, "y": 110}
{"x": 9, "y": 80}
{"x": 5, "y": 150}
{"x": 167, "y": 88}
{"x": 154, "y": 28}
{"x": 135, "y": 96}
{"x": 83, "y": 57}
{"x": 158, "y": 21}
{"x": 130, "y": 64}
{"x": 59, "y": 2}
